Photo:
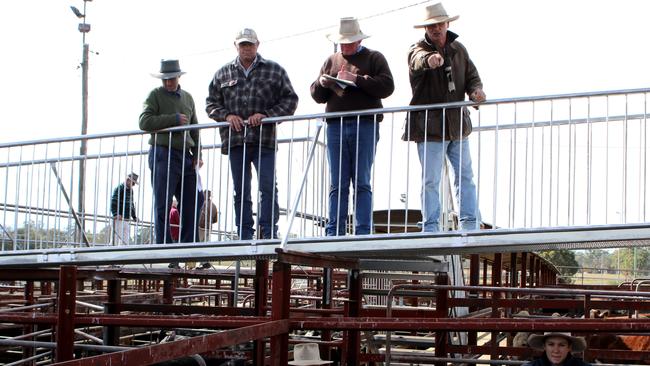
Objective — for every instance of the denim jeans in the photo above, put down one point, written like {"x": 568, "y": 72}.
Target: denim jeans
{"x": 268, "y": 213}
{"x": 172, "y": 174}
{"x": 432, "y": 157}
{"x": 351, "y": 147}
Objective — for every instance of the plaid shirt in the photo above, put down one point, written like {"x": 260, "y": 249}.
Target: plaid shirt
{"x": 266, "y": 90}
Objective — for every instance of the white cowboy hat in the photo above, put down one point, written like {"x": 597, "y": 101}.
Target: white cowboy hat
{"x": 435, "y": 14}
{"x": 307, "y": 354}
{"x": 349, "y": 32}
{"x": 578, "y": 344}
{"x": 169, "y": 69}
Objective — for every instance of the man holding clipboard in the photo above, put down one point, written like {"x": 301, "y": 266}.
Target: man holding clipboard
{"x": 356, "y": 78}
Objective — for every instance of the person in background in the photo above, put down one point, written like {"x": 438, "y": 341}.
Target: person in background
{"x": 173, "y": 156}
{"x": 351, "y": 141}
{"x": 243, "y": 92}
{"x": 440, "y": 71}
{"x": 208, "y": 216}
{"x": 174, "y": 221}
{"x": 557, "y": 348}
{"x": 123, "y": 210}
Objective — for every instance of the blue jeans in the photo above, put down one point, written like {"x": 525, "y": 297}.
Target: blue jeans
{"x": 172, "y": 174}
{"x": 268, "y": 213}
{"x": 351, "y": 151}
{"x": 432, "y": 157}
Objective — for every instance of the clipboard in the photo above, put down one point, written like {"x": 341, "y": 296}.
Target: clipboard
{"x": 342, "y": 83}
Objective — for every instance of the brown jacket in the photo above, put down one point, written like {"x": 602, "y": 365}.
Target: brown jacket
{"x": 430, "y": 86}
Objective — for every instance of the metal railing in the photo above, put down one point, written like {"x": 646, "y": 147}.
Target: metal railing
{"x": 550, "y": 161}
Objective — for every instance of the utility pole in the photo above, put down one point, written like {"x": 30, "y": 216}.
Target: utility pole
{"x": 83, "y": 150}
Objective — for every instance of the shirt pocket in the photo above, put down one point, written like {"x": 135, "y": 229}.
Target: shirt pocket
{"x": 264, "y": 90}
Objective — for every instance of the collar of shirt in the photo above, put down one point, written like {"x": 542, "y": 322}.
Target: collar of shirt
{"x": 176, "y": 92}
{"x": 250, "y": 68}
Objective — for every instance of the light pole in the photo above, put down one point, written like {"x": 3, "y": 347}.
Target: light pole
{"x": 83, "y": 28}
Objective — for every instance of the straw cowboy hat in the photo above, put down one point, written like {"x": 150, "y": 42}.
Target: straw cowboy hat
{"x": 349, "y": 32}
{"x": 435, "y": 14}
{"x": 307, "y": 354}
{"x": 578, "y": 344}
{"x": 169, "y": 69}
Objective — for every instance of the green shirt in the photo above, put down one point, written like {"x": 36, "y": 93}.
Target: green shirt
{"x": 160, "y": 112}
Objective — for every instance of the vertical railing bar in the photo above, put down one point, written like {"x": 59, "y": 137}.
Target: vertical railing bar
{"x": 443, "y": 218}
{"x": 589, "y": 159}
{"x": 356, "y": 178}
{"x": 645, "y": 155}
{"x": 525, "y": 210}
{"x": 375, "y": 131}
{"x": 512, "y": 169}
{"x": 479, "y": 219}
{"x": 541, "y": 178}
{"x": 390, "y": 170}
{"x": 109, "y": 186}
{"x": 550, "y": 167}
{"x": 96, "y": 190}
{"x": 572, "y": 165}
{"x": 496, "y": 169}
{"x": 338, "y": 195}
{"x": 607, "y": 160}
{"x": 30, "y": 187}
{"x": 290, "y": 167}
{"x": 18, "y": 172}
{"x": 624, "y": 188}
{"x": 557, "y": 174}
{"x": 532, "y": 166}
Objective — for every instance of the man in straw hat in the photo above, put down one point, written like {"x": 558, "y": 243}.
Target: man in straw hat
{"x": 243, "y": 92}
{"x": 363, "y": 80}
{"x": 173, "y": 157}
{"x": 123, "y": 209}
{"x": 440, "y": 71}
{"x": 557, "y": 347}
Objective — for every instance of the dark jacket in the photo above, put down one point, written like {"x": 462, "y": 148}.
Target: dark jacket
{"x": 430, "y": 86}
{"x": 122, "y": 202}
{"x": 267, "y": 90}
{"x": 374, "y": 82}
{"x": 569, "y": 361}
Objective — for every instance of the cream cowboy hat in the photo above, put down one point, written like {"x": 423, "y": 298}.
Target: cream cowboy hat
{"x": 578, "y": 344}
{"x": 307, "y": 354}
{"x": 435, "y": 14}
{"x": 349, "y": 32}
{"x": 169, "y": 69}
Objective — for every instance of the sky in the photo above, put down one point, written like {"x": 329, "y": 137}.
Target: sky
{"x": 521, "y": 48}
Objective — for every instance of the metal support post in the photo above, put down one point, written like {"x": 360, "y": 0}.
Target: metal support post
{"x": 66, "y": 306}
{"x": 442, "y": 311}
{"x": 261, "y": 301}
{"x": 114, "y": 292}
{"x": 280, "y": 310}
{"x": 353, "y": 344}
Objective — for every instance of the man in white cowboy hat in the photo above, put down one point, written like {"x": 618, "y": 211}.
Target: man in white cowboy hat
{"x": 557, "y": 348}
{"x": 243, "y": 92}
{"x": 123, "y": 210}
{"x": 172, "y": 156}
{"x": 440, "y": 71}
{"x": 364, "y": 79}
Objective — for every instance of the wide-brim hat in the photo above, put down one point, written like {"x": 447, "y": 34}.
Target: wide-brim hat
{"x": 434, "y": 14}
{"x": 578, "y": 344}
{"x": 169, "y": 69}
{"x": 307, "y": 354}
{"x": 349, "y": 32}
